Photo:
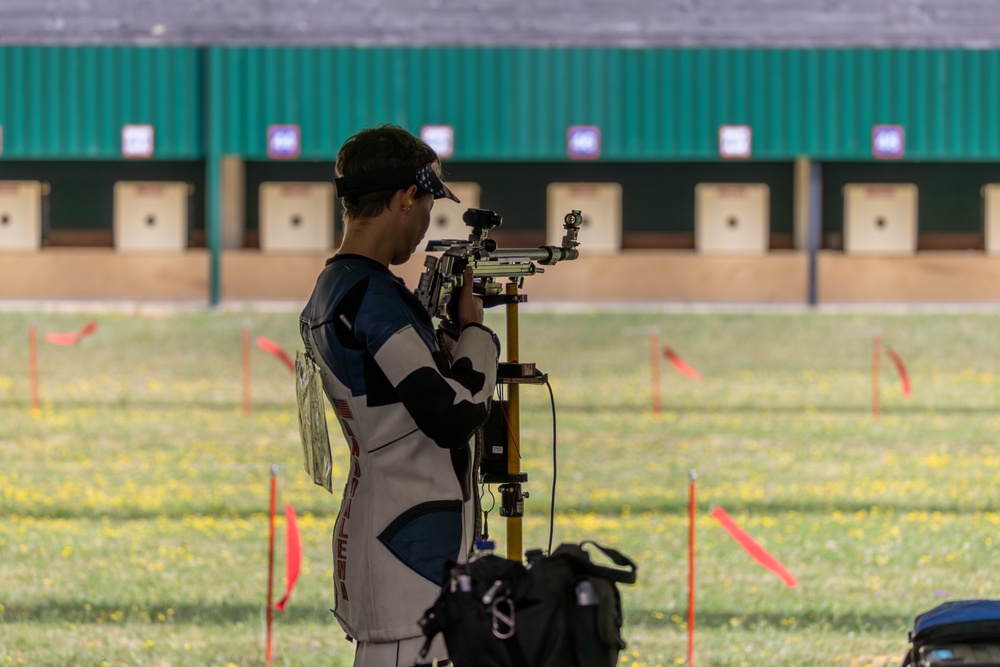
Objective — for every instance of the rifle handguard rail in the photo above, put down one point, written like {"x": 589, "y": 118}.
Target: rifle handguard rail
{"x": 442, "y": 276}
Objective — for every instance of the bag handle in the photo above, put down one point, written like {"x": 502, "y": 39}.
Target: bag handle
{"x": 626, "y": 576}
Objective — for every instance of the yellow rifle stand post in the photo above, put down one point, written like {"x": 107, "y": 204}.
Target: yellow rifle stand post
{"x": 514, "y": 536}
{"x": 515, "y": 373}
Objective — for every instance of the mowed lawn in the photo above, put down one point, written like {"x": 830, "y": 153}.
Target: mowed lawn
{"x": 133, "y": 506}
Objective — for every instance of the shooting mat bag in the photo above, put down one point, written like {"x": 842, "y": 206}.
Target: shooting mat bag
{"x": 961, "y": 632}
{"x": 562, "y": 610}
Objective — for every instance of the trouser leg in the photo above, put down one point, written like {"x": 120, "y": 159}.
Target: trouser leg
{"x": 403, "y": 653}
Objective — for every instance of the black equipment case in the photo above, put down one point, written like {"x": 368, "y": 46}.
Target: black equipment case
{"x": 961, "y": 632}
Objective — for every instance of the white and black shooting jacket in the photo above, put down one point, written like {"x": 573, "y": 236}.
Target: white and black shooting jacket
{"x": 408, "y": 410}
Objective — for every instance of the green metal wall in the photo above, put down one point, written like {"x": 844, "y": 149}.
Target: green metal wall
{"x": 504, "y": 103}
{"x": 651, "y": 104}
{"x": 62, "y": 103}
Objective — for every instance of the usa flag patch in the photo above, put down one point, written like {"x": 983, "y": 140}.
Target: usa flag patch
{"x": 343, "y": 409}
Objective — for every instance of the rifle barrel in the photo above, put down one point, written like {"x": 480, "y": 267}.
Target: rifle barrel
{"x": 493, "y": 269}
{"x": 548, "y": 254}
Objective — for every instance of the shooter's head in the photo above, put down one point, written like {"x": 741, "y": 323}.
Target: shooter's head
{"x": 376, "y": 163}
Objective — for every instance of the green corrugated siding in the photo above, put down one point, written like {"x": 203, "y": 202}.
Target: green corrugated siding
{"x": 504, "y": 103}
{"x": 656, "y": 104}
{"x": 71, "y": 102}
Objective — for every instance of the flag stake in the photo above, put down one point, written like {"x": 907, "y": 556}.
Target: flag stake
{"x": 246, "y": 369}
{"x": 692, "y": 475}
{"x": 270, "y": 559}
{"x": 876, "y": 359}
{"x": 33, "y": 365}
{"x": 654, "y": 366}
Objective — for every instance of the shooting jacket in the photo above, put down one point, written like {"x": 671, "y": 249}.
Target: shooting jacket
{"x": 408, "y": 400}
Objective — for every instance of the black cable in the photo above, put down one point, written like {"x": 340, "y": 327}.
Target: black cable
{"x": 483, "y": 487}
{"x": 552, "y": 507}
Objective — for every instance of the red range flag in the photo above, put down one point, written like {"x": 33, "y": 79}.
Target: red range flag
{"x": 759, "y": 553}
{"x": 681, "y": 365}
{"x": 71, "y": 338}
{"x": 271, "y": 347}
{"x": 904, "y": 377}
{"x": 293, "y": 555}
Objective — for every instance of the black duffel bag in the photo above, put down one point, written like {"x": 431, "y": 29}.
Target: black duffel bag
{"x": 562, "y": 610}
{"x": 959, "y": 632}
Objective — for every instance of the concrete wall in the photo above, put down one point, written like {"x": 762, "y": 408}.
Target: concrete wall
{"x": 678, "y": 275}
{"x": 248, "y": 275}
{"x": 957, "y": 277}
{"x": 779, "y": 23}
{"x": 98, "y": 273}
{"x": 634, "y": 275}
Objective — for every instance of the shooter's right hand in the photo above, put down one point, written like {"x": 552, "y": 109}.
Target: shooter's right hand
{"x": 470, "y": 306}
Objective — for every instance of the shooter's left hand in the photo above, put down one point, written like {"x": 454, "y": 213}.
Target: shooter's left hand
{"x": 469, "y": 307}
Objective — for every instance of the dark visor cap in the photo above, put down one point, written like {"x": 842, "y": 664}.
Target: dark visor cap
{"x": 423, "y": 177}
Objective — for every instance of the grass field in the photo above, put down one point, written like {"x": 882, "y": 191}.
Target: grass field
{"x": 133, "y": 508}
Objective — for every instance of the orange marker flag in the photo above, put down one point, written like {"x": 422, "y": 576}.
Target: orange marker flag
{"x": 759, "y": 553}
{"x": 293, "y": 555}
{"x": 71, "y": 338}
{"x": 904, "y": 377}
{"x": 271, "y": 347}
{"x": 681, "y": 365}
